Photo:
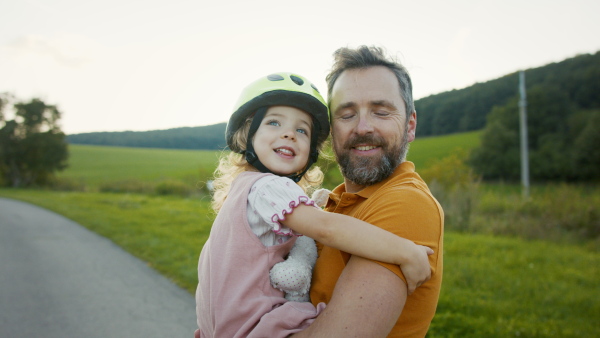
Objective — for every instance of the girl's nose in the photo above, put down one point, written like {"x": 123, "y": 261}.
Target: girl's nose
{"x": 288, "y": 134}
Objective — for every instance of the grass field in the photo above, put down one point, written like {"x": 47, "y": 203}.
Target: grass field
{"x": 493, "y": 286}
{"x": 424, "y": 151}
{"x": 94, "y": 166}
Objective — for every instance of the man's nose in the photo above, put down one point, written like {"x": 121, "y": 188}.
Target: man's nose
{"x": 364, "y": 125}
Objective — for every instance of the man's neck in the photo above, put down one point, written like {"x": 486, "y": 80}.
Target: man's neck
{"x": 352, "y": 187}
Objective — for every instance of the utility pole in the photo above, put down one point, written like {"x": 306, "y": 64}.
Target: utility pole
{"x": 524, "y": 145}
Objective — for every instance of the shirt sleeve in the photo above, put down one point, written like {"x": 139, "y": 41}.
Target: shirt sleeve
{"x": 273, "y": 197}
{"x": 410, "y": 213}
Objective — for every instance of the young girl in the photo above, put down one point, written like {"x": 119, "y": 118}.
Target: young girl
{"x": 275, "y": 133}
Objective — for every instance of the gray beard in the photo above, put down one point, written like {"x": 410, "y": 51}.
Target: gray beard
{"x": 367, "y": 171}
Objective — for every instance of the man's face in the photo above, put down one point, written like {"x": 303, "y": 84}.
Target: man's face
{"x": 369, "y": 130}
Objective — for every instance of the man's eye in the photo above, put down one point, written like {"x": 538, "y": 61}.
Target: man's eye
{"x": 346, "y": 116}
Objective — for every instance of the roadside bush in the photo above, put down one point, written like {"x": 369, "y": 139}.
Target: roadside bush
{"x": 456, "y": 188}
{"x": 173, "y": 187}
{"x": 130, "y": 186}
{"x": 68, "y": 184}
{"x": 555, "y": 212}
{"x": 560, "y": 213}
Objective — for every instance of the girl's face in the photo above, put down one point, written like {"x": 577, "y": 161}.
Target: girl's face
{"x": 282, "y": 142}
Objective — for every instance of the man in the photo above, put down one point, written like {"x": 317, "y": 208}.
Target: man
{"x": 373, "y": 121}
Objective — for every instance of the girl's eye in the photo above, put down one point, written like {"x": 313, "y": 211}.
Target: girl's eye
{"x": 273, "y": 123}
{"x": 302, "y": 131}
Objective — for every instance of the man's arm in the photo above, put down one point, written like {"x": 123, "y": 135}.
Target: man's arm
{"x": 366, "y": 302}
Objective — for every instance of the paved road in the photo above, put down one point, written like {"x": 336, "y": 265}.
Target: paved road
{"x": 57, "y": 279}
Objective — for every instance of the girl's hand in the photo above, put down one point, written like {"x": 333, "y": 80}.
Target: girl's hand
{"x": 417, "y": 270}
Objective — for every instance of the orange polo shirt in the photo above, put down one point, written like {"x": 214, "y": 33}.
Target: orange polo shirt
{"x": 403, "y": 205}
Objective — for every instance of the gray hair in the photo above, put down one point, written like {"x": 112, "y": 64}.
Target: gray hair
{"x": 364, "y": 57}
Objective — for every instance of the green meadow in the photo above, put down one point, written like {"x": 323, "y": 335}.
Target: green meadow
{"x": 426, "y": 150}
{"x": 133, "y": 169}
{"x": 96, "y": 165}
{"x": 513, "y": 267}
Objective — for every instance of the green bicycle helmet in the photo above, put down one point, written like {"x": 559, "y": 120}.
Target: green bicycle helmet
{"x": 279, "y": 89}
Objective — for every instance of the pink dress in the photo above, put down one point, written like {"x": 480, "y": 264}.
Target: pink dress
{"x": 234, "y": 297}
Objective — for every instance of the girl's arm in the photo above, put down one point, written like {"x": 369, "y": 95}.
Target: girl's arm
{"x": 362, "y": 239}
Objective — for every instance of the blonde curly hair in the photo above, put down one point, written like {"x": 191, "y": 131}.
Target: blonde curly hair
{"x": 233, "y": 164}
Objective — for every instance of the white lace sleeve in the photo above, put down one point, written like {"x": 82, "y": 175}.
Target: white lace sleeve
{"x": 273, "y": 197}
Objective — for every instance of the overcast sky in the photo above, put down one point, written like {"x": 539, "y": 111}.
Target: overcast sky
{"x": 115, "y": 65}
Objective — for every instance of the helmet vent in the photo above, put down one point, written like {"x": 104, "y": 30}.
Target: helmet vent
{"x": 275, "y": 77}
{"x": 297, "y": 80}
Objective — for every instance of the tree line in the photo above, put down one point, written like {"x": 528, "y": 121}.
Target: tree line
{"x": 563, "y": 122}
{"x": 466, "y": 109}
{"x": 206, "y": 138}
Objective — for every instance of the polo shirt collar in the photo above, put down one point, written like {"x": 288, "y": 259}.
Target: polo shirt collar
{"x": 365, "y": 193}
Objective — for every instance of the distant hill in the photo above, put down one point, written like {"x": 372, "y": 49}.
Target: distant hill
{"x": 466, "y": 109}
{"x": 449, "y": 112}
{"x": 206, "y": 138}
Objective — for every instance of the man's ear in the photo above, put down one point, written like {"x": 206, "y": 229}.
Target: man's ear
{"x": 411, "y": 128}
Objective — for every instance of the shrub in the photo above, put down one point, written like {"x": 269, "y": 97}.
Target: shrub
{"x": 560, "y": 212}
{"x": 68, "y": 184}
{"x": 455, "y": 187}
{"x": 130, "y": 186}
{"x": 173, "y": 187}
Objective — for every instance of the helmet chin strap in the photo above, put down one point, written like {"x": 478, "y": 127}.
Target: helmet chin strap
{"x": 253, "y": 159}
